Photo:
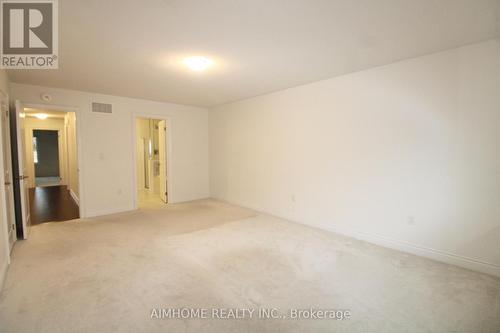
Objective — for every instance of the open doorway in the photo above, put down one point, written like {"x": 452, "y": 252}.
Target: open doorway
{"x": 46, "y": 157}
{"x": 151, "y": 162}
{"x": 51, "y": 165}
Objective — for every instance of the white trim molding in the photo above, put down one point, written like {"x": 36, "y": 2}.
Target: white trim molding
{"x": 421, "y": 251}
{"x": 75, "y": 197}
{"x": 4, "y": 262}
{"x": 393, "y": 244}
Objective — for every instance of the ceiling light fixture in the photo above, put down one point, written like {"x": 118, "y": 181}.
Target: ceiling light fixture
{"x": 41, "y": 116}
{"x": 197, "y": 64}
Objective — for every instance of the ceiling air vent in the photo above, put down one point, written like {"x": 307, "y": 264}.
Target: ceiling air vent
{"x": 101, "y": 107}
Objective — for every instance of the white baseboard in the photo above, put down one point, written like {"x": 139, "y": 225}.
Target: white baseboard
{"x": 421, "y": 251}
{"x": 438, "y": 255}
{"x": 75, "y": 197}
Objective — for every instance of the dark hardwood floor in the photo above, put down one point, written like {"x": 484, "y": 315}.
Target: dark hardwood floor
{"x": 51, "y": 204}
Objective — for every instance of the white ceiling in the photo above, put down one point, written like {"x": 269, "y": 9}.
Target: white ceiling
{"x": 131, "y": 48}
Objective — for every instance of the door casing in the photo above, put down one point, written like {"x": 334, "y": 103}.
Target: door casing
{"x": 7, "y": 182}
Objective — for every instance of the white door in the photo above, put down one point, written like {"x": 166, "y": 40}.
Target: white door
{"x": 23, "y": 170}
{"x": 10, "y": 215}
{"x": 162, "y": 155}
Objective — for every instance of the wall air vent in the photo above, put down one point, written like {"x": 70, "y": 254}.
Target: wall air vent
{"x": 101, "y": 107}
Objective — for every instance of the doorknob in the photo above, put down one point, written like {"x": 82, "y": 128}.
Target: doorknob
{"x": 6, "y": 183}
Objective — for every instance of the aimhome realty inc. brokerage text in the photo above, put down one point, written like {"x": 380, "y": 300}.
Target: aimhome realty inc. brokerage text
{"x": 248, "y": 313}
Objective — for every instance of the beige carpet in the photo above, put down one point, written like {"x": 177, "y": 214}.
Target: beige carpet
{"x": 107, "y": 274}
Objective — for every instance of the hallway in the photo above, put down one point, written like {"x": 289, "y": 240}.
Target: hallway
{"x": 52, "y": 204}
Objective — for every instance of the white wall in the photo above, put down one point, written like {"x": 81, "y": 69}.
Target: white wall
{"x": 404, "y": 155}
{"x": 106, "y": 146}
{"x": 4, "y": 242}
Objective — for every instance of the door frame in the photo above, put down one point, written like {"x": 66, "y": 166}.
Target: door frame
{"x": 168, "y": 153}
{"x": 79, "y": 146}
{"x": 21, "y": 194}
{"x": 12, "y": 233}
{"x": 3, "y": 217}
